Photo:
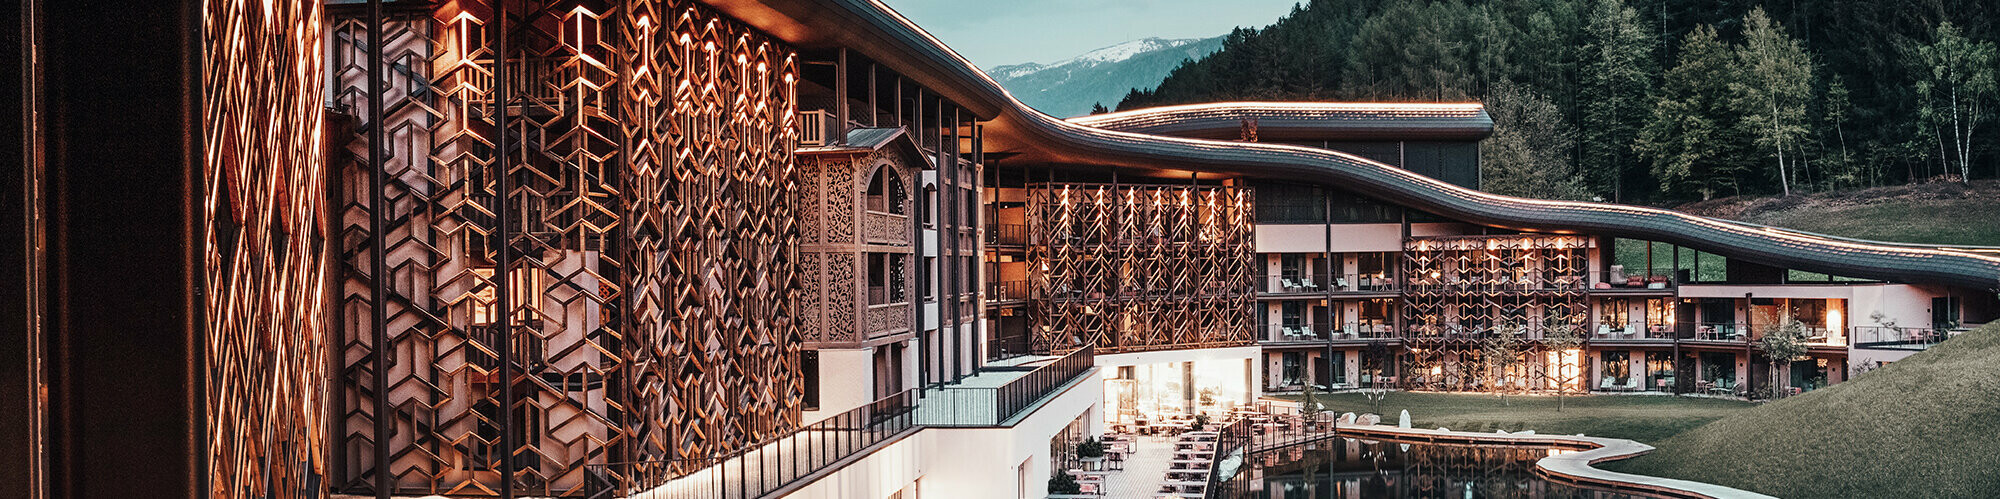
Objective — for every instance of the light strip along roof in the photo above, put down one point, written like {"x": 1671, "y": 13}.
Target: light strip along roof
{"x": 1329, "y": 121}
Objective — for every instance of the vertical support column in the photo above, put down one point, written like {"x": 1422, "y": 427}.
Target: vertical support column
{"x": 1333, "y": 270}
{"x": 502, "y": 273}
{"x": 378, "y": 325}
{"x": 840, "y": 95}
{"x": 22, "y": 262}
{"x": 948, "y": 234}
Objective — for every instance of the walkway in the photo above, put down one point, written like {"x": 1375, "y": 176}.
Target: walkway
{"x": 1144, "y": 470}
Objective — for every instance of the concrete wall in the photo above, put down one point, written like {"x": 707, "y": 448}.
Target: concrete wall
{"x": 846, "y": 381}
{"x": 990, "y": 463}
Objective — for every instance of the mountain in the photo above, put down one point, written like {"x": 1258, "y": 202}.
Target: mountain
{"x": 1069, "y": 87}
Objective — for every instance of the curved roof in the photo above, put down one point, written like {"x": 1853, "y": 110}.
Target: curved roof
{"x": 1287, "y": 121}
{"x": 892, "y": 40}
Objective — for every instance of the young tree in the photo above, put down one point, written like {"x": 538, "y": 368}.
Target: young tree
{"x": 1955, "y": 80}
{"x": 1838, "y": 104}
{"x": 1562, "y": 338}
{"x": 1688, "y": 140}
{"x": 1783, "y": 344}
{"x": 1499, "y": 353}
{"x": 1528, "y": 154}
{"x": 1098, "y": 108}
{"x": 1774, "y": 88}
{"x": 1618, "y": 72}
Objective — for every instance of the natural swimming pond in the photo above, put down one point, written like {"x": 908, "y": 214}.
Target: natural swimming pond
{"x": 1370, "y": 468}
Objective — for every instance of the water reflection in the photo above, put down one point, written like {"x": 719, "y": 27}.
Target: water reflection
{"x": 1357, "y": 468}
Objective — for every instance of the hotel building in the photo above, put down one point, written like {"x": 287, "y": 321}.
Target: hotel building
{"x": 799, "y": 248}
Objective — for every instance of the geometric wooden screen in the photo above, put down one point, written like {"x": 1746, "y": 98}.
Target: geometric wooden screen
{"x": 1462, "y": 290}
{"x": 1140, "y": 267}
{"x": 642, "y": 285}
{"x": 263, "y": 104}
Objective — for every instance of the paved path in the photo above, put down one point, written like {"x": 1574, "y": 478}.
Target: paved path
{"x": 1144, "y": 470}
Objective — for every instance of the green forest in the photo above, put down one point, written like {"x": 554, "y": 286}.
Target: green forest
{"x": 1650, "y": 101}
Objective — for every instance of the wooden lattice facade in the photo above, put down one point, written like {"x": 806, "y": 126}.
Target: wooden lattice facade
{"x": 1468, "y": 297}
{"x": 589, "y": 237}
{"x": 1142, "y": 267}
{"x": 265, "y": 247}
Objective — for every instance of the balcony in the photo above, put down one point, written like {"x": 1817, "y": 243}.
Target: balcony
{"x": 1325, "y": 283}
{"x": 778, "y": 464}
{"x": 1633, "y": 281}
{"x": 1738, "y": 332}
{"x": 997, "y": 395}
{"x": 1495, "y": 280}
{"x": 1897, "y": 337}
{"x": 1633, "y": 330}
{"x": 879, "y": 227}
{"x": 1293, "y": 333}
{"x": 1006, "y": 235}
{"x": 817, "y": 128}
{"x": 1000, "y": 291}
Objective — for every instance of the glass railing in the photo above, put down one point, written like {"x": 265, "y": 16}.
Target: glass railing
{"x": 1322, "y": 283}
{"x": 1633, "y": 330}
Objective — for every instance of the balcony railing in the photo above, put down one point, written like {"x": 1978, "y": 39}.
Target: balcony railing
{"x": 759, "y": 470}
{"x": 1363, "y": 330}
{"x": 1897, "y": 337}
{"x": 1006, "y": 234}
{"x": 1295, "y": 332}
{"x": 817, "y": 128}
{"x": 1633, "y": 330}
{"x": 1321, "y": 283}
{"x": 1486, "y": 281}
{"x": 1633, "y": 279}
{"x": 1738, "y": 332}
{"x": 1007, "y": 290}
{"x": 993, "y": 406}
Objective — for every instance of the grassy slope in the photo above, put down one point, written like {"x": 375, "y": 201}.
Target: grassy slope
{"x": 1940, "y": 213}
{"x": 1643, "y": 418}
{"x": 1928, "y": 426}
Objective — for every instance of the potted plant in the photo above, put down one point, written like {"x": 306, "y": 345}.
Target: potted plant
{"x": 1201, "y": 422}
{"x": 1091, "y": 452}
{"x": 1062, "y": 483}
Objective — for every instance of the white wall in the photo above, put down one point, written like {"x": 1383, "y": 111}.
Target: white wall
{"x": 883, "y": 472}
{"x": 981, "y": 463}
{"x": 846, "y": 381}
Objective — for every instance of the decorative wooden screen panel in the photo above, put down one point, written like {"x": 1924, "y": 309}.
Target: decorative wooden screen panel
{"x": 647, "y": 265}
{"x": 1460, "y": 292}
{"x": 263, "y": 114}
{"x": 1140, "y": 267}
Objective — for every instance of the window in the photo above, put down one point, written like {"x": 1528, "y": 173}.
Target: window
{"x": 1614, "y": 313}
{"x": 1660, "y": 370}
{"x": 1944, "y": 313}
{"x": 1338, "y": 365}
{"x": 928, "y": 206}
{"x": 1617, "y": 368}
{"x": 1291, "y": 313}
{"x": 1292, "y": 365}
{"x": 930, "y": 277}
{"x": 809, "y": 372}
{"x": 885, "y": 191}
{"x": 1290, "y": 204}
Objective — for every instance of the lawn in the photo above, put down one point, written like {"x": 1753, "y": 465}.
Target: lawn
{"x": 1645, "y": 418}
{"x": 1926, "y": 426}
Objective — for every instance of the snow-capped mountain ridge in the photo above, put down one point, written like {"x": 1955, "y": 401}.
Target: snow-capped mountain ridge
{"x": 1070, "y": 87}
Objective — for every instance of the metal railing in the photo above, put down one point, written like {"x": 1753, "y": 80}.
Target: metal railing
{"x": 1247, "y": 436}
{"x": 1633, "y": 330}
{"x": 761, "y": 470}
{"x": 1897, "y": 337}
{"x": 1296, "y": 332}
{"x": 1006, "y": 290}
{"x": 1007, "y": 234}
{"x": 959, "y": 406}
{"x": 1293, "y": 283}
{"x": 1634, "y": 279}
